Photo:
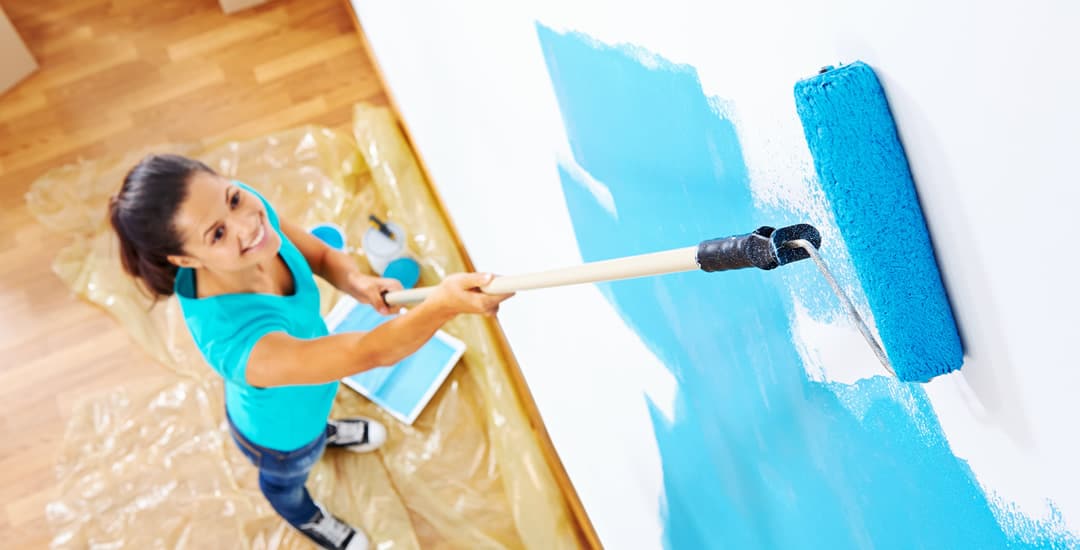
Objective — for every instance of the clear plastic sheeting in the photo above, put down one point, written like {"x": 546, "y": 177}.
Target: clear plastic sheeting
{"x": 155, "y": 468}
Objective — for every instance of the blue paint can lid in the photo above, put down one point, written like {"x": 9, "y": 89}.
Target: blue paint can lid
{"x": 405, "y": 270}
{"x": 330, "y": 234}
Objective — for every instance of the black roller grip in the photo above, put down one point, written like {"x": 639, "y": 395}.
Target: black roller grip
{"x": 752, "y": 250}
{"x": 766, "y": 248}
{"x": 798, "y": 232}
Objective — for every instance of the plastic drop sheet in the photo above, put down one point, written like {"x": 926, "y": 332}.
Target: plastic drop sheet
{"x": 155, "y": 468}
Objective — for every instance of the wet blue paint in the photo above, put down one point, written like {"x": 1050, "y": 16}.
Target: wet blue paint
{"x": 758, "y": 455}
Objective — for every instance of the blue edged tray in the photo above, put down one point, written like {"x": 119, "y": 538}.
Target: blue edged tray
{"x": 404, "y": 389}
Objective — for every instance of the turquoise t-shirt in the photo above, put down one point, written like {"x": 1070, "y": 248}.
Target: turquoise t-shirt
{"x": 226, "y": 328}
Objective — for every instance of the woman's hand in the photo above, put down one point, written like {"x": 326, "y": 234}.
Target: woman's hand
{"x": 369, "y": 290}
{"x": 460, "y": 293}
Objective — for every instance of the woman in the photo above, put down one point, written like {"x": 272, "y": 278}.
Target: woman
{"x": 244, "y": 279}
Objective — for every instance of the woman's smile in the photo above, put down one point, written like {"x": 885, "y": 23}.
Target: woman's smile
{"x": 258, "y": 239}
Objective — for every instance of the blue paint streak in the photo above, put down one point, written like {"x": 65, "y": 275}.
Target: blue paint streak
{"x": 758, "y": 456}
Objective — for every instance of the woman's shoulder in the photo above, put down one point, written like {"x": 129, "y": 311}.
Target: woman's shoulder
{"x": 227, "y": 318}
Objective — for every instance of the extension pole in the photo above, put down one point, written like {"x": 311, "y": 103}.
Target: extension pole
{"x": 765, "y": 248}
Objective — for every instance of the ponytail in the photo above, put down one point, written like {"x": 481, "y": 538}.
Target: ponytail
{"x": 142, "y": 215}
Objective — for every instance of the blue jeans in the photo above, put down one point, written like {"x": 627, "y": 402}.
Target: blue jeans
{"x": 283, "y": 475}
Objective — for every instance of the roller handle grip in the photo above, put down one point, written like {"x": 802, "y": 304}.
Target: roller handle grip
{"x": 741, "y": 251}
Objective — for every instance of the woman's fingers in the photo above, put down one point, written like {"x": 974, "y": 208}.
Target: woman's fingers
{"x": 470, "y": 281}
{"x": 464, "y": 293}
{"x": 491, "y": 303}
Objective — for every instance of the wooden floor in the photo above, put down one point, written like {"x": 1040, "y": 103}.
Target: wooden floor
{"x": 116, "y": 74}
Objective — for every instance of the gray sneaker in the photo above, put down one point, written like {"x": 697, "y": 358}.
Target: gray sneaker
{"x": 333, "y": 534}
{"x": 359, "y": 435}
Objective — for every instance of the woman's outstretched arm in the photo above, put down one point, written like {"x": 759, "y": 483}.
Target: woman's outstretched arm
{"x": 281, "y": 360}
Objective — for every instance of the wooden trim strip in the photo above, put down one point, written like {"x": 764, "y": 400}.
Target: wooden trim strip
{"x": 586, "y": 531}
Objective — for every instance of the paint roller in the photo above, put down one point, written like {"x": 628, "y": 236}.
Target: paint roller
{"x": 862, "y": 169}
{"x": 864, "y": 173}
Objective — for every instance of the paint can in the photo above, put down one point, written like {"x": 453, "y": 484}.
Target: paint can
{"x": 389, "y": 255}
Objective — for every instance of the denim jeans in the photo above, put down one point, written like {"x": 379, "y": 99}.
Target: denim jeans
{"x": 283, "y": 475}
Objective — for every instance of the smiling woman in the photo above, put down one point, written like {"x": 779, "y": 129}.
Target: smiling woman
{"x": 226, "y": 239}
{"x": 244, "y": 279}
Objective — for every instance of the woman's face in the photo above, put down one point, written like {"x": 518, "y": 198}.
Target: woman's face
{"x": 224, "y": 227}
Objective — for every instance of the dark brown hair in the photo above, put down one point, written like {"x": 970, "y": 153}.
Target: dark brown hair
{"x": 142, "y": 215}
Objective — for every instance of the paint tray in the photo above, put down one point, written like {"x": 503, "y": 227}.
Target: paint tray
{"x": 404, "y": 389}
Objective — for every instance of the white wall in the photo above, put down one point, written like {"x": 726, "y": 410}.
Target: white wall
{"x": 983, "y": 96}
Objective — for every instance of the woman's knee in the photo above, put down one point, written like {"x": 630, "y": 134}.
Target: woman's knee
{"x": 289, "y": 498}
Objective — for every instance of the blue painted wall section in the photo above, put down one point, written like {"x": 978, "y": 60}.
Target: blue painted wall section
{"x": 758, "y": 455}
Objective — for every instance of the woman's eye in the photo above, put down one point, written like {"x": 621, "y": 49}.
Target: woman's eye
{"x": 235, "y": 200}
{"x": 219, "y": 233}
